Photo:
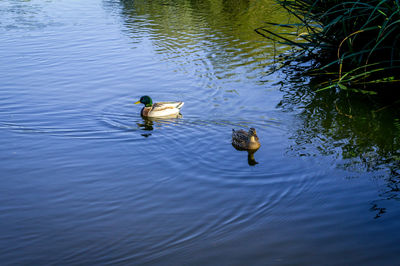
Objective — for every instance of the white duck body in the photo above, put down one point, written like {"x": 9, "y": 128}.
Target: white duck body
{"x": 162, "y": 109}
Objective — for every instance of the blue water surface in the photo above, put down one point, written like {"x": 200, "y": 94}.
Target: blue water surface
{"x": 85, "y": 180}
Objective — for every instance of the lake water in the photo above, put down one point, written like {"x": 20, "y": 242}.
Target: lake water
{"x": 85, "y": 180}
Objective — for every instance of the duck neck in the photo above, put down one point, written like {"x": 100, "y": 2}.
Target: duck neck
{"x": 145, "y": 111}
{"x": 253, "y": 143}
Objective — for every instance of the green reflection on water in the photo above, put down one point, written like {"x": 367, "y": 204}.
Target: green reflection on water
{"x": 223, "y": 32}
{"x": 355, "y": 129}
{"x": 359, "y": 132}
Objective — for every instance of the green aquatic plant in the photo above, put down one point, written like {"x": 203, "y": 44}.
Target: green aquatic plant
{"x": 396, "y": 123}
{"x": 355, "y": 44}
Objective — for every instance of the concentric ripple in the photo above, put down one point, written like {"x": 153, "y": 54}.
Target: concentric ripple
{"x": 87, "y": 180}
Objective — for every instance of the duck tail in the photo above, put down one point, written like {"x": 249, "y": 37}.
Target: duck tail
{"x": 180, "y": 104}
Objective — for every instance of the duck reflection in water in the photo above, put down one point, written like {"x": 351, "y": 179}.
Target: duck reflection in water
{"x": 148, "y": 123}
{"x": 246, "y": 141}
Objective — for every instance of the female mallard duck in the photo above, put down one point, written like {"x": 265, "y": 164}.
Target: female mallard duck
{"x": 161, "y": 109}
{"x": 243, "y": 140}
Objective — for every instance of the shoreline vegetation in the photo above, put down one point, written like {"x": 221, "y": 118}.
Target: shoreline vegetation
{"x": 350, "y": 45}
{"x": 342, "y": 75}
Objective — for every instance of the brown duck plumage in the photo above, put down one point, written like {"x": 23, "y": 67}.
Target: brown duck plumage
{"x": 245, "y": 140}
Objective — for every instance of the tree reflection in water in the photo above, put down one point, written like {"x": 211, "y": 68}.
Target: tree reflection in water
{"x": 358, "y": 131}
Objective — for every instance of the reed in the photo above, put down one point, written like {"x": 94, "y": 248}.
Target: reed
{"x": 355, "y": 43}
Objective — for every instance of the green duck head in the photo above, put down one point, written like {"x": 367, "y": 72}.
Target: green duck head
{"x": 146, "y": 100}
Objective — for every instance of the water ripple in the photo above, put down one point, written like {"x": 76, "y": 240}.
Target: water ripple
{"x": 86, "y": 180}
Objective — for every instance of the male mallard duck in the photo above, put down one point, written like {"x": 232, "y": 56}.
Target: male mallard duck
{"x": 243, "y": 140}
{"x": 161, "y": 109}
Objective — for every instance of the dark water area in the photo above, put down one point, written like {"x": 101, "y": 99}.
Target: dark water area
{"x": 86, "y": 180}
